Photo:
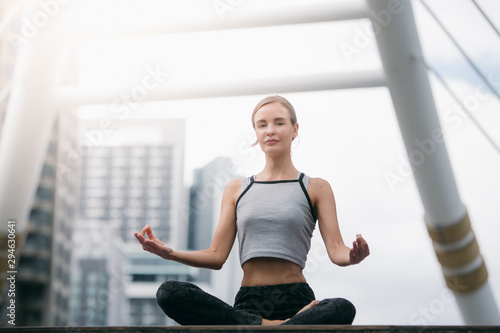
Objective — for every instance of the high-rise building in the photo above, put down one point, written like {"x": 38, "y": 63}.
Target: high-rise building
{"x": 44, "y": 262}
{"x": 98, "y": 293}
{"x": 129, "y": 186}
{"x": 130, "y": 176}
{"x": 205, "y": 204}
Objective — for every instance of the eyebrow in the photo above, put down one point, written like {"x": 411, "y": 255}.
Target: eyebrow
{"x": 275, "y": 119}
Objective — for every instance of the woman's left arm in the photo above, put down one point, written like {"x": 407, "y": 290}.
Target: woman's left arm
{"x": 323, "y": 201}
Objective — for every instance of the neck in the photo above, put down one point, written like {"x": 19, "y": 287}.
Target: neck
{"x": 278, "y": 168}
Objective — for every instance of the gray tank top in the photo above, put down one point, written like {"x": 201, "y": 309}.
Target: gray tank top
{"x": 275, "y": 219}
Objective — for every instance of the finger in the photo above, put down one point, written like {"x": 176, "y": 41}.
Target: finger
{"x": 149, "y": 232}
{"x": 364, "y": 246}
{"x": 353, "y": 257}
{"x": 360, "y": 240}
{"x": 366, "y": 249}
{"x": 140, "y": 238}
{"x": 359, "y": 250}
{"x": 143, "y": 231}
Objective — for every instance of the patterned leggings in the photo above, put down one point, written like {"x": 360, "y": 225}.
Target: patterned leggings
{"x": 187, "y": 304}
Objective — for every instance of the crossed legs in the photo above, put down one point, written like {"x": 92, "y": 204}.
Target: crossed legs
{"x": 187, "y": 304}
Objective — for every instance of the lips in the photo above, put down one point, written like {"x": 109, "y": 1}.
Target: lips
{"x": 270, "y": 141}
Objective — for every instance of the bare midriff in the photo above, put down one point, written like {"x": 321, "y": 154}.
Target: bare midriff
{"x": 266, "y": 271}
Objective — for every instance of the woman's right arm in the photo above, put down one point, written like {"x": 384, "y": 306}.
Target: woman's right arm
{"x": 225, "y": 234}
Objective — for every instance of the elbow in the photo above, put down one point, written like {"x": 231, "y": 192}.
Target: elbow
{"x": 340, "y": 256}
{"x": 216, "y": 263}
{"x": 217, "y": 260}
{"x": 341, "y": 263}
{"x": 220, "y": 263}
{"x": 217, "y": 266}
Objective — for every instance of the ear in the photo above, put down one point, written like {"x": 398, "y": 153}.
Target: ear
{"x": 295, "y": 130}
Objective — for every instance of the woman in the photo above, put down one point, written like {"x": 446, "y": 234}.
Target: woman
{"x": 273, "y": 214}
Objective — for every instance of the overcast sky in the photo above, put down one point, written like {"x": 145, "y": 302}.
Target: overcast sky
{"x": 350, "y": 138}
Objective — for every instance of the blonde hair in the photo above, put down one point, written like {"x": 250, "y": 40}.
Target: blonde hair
{"x": 276, "y": 99}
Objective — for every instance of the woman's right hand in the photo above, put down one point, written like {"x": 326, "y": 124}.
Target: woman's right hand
{"x": 153, "y": 244}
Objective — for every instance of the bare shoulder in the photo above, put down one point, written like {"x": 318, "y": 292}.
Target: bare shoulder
{"x": 233, "y": 189}
{"x": 234, "y": 185}
{"x": 318, "y": 188}
{"x": 319, "y": 184}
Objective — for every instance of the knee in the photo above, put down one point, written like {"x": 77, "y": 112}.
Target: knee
{"x": 170, "y": 292}
{"x": 342, "y": 310}
{"x": 165, "y": 291}
{"x": 349, "y": 310}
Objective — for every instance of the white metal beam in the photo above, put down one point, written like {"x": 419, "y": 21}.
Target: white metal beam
{"x": 238, "y": 19}
{"x": 67, "y": 96}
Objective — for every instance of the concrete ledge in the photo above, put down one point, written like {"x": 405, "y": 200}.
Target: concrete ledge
{"x": 261, "y": 329}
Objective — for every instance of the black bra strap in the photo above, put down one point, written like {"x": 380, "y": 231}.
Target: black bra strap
{"x": 307, "y": 196}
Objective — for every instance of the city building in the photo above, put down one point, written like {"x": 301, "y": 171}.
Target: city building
{"x": 44, "y": 260}
{"x": 98, "y": 296}
{"x": 131, "y": 176}
{"x": 205, "y": 204}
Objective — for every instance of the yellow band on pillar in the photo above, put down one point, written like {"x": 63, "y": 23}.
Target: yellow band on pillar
{"x": 454, "y": 251}
{"x": 458, "y": 257}
{"x": 452, "y": 233}
{"x": 468, "y": 282}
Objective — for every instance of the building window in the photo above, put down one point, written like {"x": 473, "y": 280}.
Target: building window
{"x": 48, "y": 171}
{"x": 143, "y": 278}
{"x": 44, "y": 193}
{"x": 40, "y": 217}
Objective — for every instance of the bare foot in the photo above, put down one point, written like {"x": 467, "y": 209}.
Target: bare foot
{"x": 267, "y": 322}
{"x": 309, "y": 306}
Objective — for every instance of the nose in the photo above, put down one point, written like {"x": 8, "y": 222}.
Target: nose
{"x": 270, "y": 129}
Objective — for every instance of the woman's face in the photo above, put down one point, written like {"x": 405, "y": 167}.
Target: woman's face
{"x": 274, "y": 128}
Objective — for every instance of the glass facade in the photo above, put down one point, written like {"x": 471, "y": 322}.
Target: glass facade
{"x": 126, "y": 184}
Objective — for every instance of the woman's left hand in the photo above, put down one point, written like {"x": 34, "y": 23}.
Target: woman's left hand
{"x": 359, "y": 250}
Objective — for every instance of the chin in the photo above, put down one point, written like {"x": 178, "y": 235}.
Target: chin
{"x": 274, "y": 151}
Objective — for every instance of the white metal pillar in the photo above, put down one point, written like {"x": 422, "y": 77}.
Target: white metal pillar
{"x": 29, "y": 118}
{"x": 445, "y": 216}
